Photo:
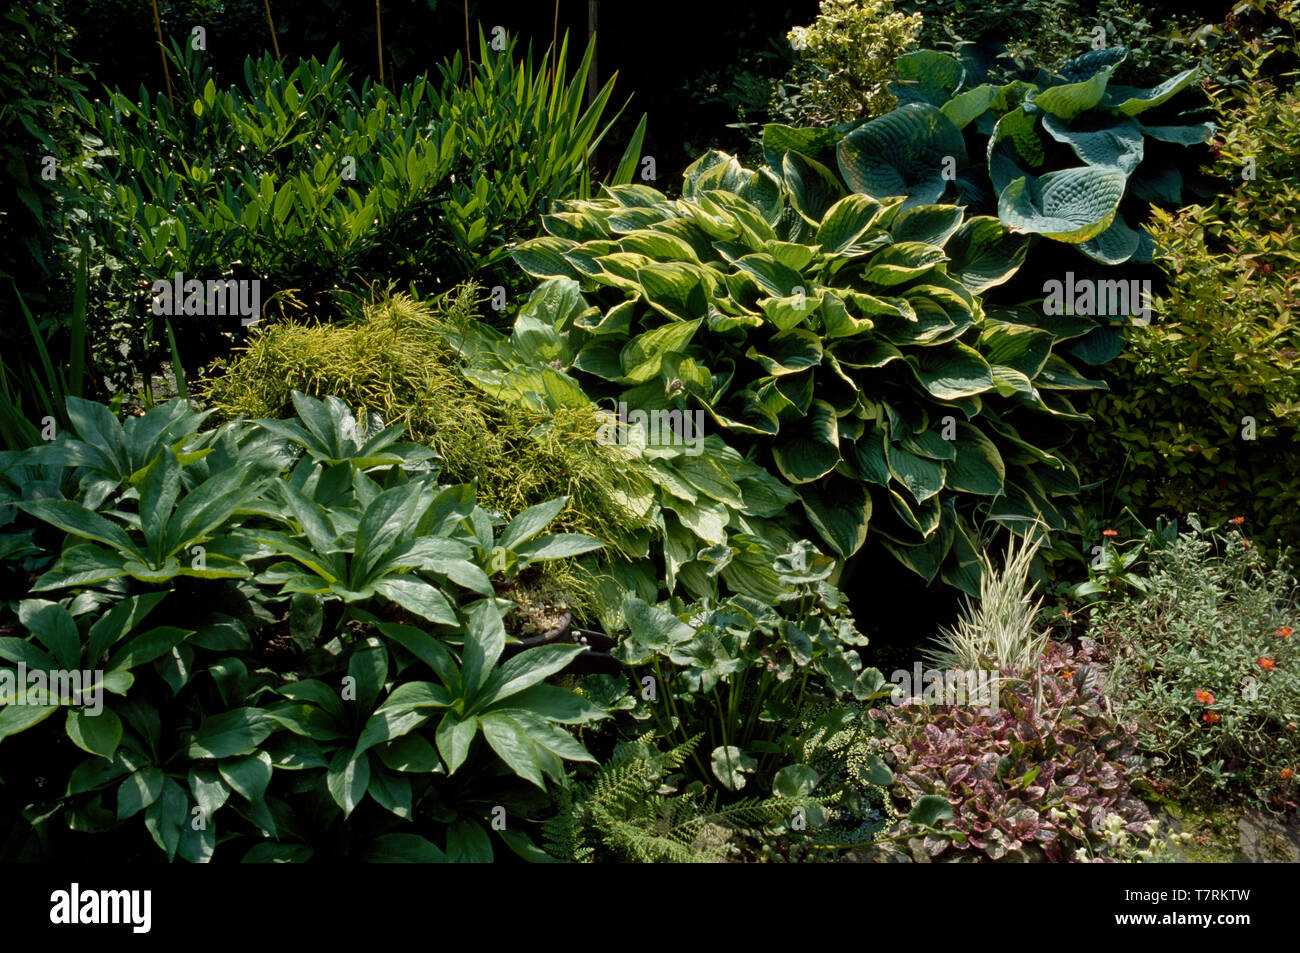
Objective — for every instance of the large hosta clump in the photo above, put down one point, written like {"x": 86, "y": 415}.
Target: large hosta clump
{"x": 1055, "y": 156}
{"x": 840, "y": 338}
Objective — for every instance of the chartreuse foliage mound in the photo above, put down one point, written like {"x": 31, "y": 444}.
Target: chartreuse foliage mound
{"x": 395, "y": 362}
{"x": 838, "y": 337}
{"x": 1055, "y": 156}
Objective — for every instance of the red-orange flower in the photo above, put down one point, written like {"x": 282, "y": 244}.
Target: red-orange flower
{"x": 1286, "y": 774}
{"x": 1246, "y": 543}
{"x": 1204, "y": 697}
{"x": 1109, "y": 532}
{"x": 1285, "y": 631}
{"x": 1237, "y": 520}
{"x": 1067, "y": 673}
{"x": 1210, "y": 718}
{"x": 1267, "y": 664}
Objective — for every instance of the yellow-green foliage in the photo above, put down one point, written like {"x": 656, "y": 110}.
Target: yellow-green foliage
{"x": 852, "y": 46}
{"x": 395, "y": 361}
{"x": 1204, "y": 408}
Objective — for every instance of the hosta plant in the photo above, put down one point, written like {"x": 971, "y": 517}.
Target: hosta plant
{"x": 838, "y": 337}
{"x": 1055, "y": 156}
{"x": 1038, "y": 778}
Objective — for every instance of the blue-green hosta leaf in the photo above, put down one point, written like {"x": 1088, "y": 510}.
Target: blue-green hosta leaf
{"x": 812, "y": 450}
{"x": 904, "y": 152}
{"x": 404, "y": 849}
{"x": 978, "y": 467}
{"x": 1131, "y": 101}
{"x": 962, "y": 567}
{"x": 1115, "y": 245}
{"x": 1070, "y": 99}
{"x": 1017, "y": 129}
{"x": 951, "y": 371}
{"x": 926, "y": 76}
{"x": 813, "y": 187}
{"x": 1057, "y": 374}
{"x": 927, "y": 224}
{"x": 1101, "y": 140}
{"x": 1161, "y": 183}
{"x": 840, "y": 510}
{"x": 1071, "y": 205}
{"x": 983, "y": 254}
{"x": 1181, "y": 135}
{"x": 1091, "y": 63}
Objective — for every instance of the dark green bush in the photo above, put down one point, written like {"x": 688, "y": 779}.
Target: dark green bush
{"x": 293, "y": 644}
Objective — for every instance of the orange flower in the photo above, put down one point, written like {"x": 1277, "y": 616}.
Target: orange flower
{"x": 1067, "y": 673}
{"x": 1237, "y": 520}
{"x": 1110, "y": 532}
{"x": 1210, "y": 718}
{"x": 1204, "y": 697}
{"x": 1286, "y": 774}
{"x": 1267, "y": 664}
{"x": 1285, "y": 631}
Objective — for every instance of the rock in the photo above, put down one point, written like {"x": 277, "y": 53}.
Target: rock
{"x": 1266, "y": 840}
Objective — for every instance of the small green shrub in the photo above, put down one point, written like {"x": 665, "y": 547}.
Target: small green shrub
{"x": 396, "y": 362}
{"x": 1206, "y": 664}
{"x": 847, "y": 54}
